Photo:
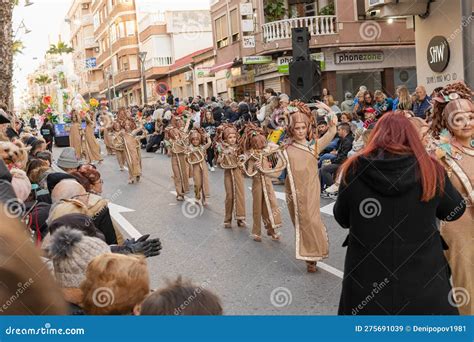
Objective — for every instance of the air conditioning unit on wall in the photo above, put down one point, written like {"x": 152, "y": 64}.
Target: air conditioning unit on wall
{"x": 188, "y": 76}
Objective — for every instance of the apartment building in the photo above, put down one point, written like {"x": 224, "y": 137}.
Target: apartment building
{"x": 353, "y": 50}
{"x": 115, "y": 30}
{"x": 172, "y": 41}
{"x": 86, "y": 48}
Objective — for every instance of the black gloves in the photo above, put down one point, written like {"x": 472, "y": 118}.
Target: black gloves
{"x": 143, "y": 246}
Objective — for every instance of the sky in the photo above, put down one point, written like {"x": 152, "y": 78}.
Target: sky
{"x": 45, "y": 19}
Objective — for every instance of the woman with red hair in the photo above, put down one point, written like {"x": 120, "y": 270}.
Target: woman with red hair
{"x": 390, "y": 198}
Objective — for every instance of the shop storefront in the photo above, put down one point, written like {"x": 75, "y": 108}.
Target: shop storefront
{"x": 376, "y": 68}
{"x": 242, "y": 81}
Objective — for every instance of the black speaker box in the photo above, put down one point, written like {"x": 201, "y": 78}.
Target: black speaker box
{"x": 305, "y": 80}
{"x": 300, "y": 43}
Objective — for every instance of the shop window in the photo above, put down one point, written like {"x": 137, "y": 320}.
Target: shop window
{"x": 234, "y": 24}
{"x": 221, "y": 30}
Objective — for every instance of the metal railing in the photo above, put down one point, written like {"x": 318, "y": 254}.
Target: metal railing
{"x": 317, "y": 25}
{"x": 157, "y": 62}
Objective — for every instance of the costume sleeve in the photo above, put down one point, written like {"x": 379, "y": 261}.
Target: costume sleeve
{"x": 103, "y": 222}
{"x": 341, "y": 208}
{"x": 452, "y": 204}
{"x": 326, "y": 139}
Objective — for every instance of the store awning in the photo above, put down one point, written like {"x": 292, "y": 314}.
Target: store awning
{"x": 216, "y": 68}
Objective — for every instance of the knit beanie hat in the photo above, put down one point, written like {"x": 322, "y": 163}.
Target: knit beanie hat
{"x": 21, "y": 184}
{"x": 71, "y": 251}
{"x": 67, "y": 159}
{"x": 54, "y": 178}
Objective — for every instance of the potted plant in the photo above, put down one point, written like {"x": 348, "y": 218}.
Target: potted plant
{"x": 328, "y": 10}
{"x": 274, "y": 10}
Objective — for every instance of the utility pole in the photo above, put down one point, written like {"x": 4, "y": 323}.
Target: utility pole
{"x": 142, "y": 56}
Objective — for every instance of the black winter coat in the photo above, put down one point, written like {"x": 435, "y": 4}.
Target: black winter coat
{"x": 395, "y": 263}
{"x": 345, "y": 146}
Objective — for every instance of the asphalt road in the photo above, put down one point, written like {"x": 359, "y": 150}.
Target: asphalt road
{"x": 251, "y": 278}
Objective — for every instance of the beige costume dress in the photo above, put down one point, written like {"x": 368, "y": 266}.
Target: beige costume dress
{"x": 265, "y": 205}
{"x": 91, "y": 145}
{"x": 75, "y": 139}
{"x": 132, "y": 152}
{"x": 459, "y": 235}
{"x": 233, "y": 183}
{"x": 179, "y": 165}
{"x": 108, "y": 133}
{"x": 119, "y": 148}
{"x": 196, "y": 159}
{"x": 303, "y": 191}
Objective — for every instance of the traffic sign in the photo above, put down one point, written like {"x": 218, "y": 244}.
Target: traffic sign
{"x": 161, "y": 88}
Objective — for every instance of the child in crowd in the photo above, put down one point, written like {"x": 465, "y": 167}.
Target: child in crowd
{"x": 256, "y": 164}
{"x": 196, "y": 158}
{"x": 182, "y": 298}
{"x": 233, "y": 178}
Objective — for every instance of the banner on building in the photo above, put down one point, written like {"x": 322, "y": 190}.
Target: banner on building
{"x": 248, "y": 42}
{"x": 257, "y": 60}
{"x": 91, "y": 63}
{"x": 204, "y": 72}
{"x": 246, "y": 9}
{"x": 283, "y": 63}
{"x": 247, "y": 25}
{"x": 358, "y": 57}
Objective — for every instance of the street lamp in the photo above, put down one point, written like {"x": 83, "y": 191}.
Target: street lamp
{"x": 142, "y": 56}
{"x": 108, "y": 74}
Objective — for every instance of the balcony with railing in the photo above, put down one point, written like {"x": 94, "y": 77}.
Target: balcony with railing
{"x": 158, "y": 62}
{"x": 150, "y": 20}
{"x": 90, "y": 43}
{"x": 157, "y": 66}
{"x": 317, "y": 26}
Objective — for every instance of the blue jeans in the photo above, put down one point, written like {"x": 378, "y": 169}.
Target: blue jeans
{"x": 282, "y": 176}
{"x": 326, "y": 156}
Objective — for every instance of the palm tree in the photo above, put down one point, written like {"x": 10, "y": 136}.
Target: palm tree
{"x": 17, "y": 47}
{"x": 6, "y": 51}
{"x": 43, "y": 80}
{"x": 59, "y": 49}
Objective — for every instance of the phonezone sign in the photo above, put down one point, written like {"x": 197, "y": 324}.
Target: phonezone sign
{"x": 358, "y": 57}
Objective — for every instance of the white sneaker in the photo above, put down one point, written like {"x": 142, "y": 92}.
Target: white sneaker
{"x": 333, "y": 189}
{"x": 213, "y": 169}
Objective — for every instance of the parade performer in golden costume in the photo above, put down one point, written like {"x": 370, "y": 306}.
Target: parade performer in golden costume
{"x": 302, "y": 184}
{"x": 199, "y": 142}
{"x": 228, "y": 160}
{"x": 262, "y": 161}
{"x": 453, "y": 129}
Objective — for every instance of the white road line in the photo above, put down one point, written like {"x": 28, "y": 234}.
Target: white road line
{"x": 122, "y": 222}
{"x": 328, "y": 209}
{"x": 330, "y": 269}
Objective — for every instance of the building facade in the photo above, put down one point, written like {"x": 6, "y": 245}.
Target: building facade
{"x": 115, "y": 30}
{"x": 352, "y": 49}
{"x": 86, "y": 48}
{"x": 171, "y": 41}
